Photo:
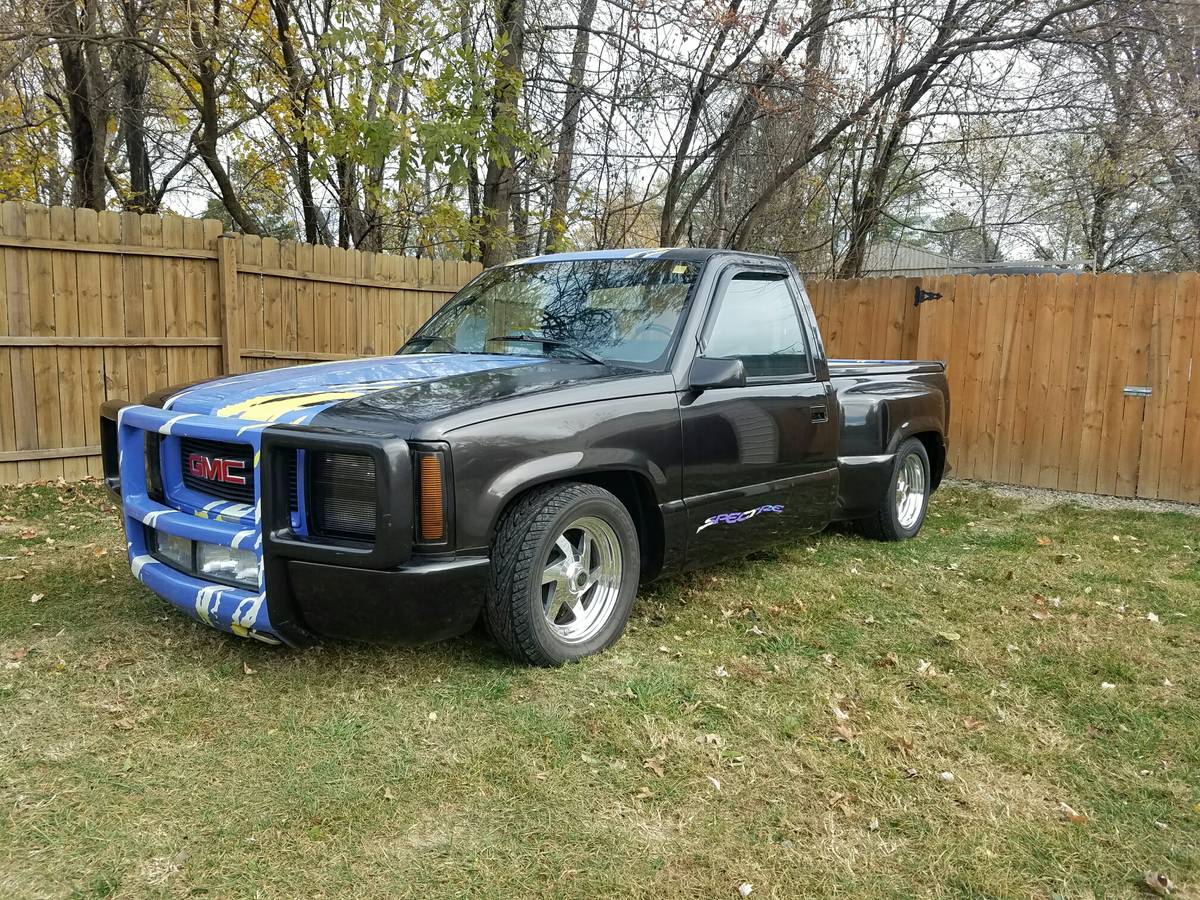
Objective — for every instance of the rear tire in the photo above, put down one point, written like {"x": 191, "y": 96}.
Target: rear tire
{"x": 564, "y": 573}
{"x": 902, "y": 511}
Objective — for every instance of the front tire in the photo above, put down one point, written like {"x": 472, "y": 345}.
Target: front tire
{"x": 902, "y": 512}
{"x": 565, "y": 564}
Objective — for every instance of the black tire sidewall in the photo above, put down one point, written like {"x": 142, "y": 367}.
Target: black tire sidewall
{"x": 611, "y": 510}
{"x": 909, "y": 448}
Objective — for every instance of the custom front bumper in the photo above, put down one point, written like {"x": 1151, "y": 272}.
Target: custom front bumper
{"x": 308, "y": 587}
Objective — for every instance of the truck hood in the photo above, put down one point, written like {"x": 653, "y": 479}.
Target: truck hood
{"x": 297, "y": 394}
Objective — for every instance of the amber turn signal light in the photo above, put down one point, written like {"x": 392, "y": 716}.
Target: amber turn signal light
{"x": 431, "y": 525}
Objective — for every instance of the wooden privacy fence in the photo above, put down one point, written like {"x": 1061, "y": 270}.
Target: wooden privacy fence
{"x": 1078, "y": 382}
{"x": 97, "y": 305}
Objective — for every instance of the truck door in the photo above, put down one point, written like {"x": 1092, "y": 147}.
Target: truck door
{"x": 760, "y": 459}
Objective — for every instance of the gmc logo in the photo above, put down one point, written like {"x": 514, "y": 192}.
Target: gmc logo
{"x": 214, "y": 468}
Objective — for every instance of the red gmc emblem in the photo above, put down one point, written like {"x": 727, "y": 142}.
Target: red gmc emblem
{"x": 214, "y": 468}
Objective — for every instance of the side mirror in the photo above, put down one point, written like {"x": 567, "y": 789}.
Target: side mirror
{"x": 716, "y": 373}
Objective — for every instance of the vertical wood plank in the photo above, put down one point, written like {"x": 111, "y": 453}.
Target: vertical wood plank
{"x": 321, "y": 301}
{"x": 1057, "y": 363}
{"x": 1077, "y": 354}
{"x": 175, "y": 302}
{"x": 8, "y": 363}
{"x": 87, "y": 231}
{"x": 306, "y": 338}
{"x": 45, "y": 359}
{"x": 1009, "y": 373}
{"x": 250, "y": 293}
{"x": 1136, "y": 372}
{"x": 231, "y": 318}
{"x": 21, "y": 359}
{"x": 1189, "y": 478}
{"x": 1182, "y": 372}
{"x": 112, "y": 307}
{"x": 154, "y": 298}
{"x": 66, "y": 324}
{"x": 272, "y": 297}
{"x": 1158, "y": 367}
{"x": 1099, "y": 356}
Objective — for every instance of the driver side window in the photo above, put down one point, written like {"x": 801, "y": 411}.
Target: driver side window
{"x": 756, "y": 322}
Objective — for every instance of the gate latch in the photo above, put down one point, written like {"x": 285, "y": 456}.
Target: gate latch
{"x": 920, "y": 295}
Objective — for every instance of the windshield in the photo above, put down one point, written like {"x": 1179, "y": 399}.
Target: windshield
{"x": 611, "y": 310}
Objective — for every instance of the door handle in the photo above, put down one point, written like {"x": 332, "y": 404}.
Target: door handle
{"x": 820, "y": 414}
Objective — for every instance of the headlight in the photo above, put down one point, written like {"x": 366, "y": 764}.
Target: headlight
{"x": 344, "y": 495}
{"x": 201, "y": 559}
{"x": 175, "y": 550}
{"x": 226, "y": 564}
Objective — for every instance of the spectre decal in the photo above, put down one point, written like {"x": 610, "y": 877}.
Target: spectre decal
{"x": 735, "y": 518}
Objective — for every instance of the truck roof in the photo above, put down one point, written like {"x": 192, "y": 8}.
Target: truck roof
{"x": 692, "y": 254}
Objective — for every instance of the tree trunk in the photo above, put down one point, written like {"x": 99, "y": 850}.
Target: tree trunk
{"x": 298, "y": 89}
{"x": 86, "y": 113}
{"x": 561, "y": 179}
{"x": 210, "y": 122}
{"x": 501, "y": 169}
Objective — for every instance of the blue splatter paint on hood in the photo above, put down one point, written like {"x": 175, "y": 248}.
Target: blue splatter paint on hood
{"x": 296, "y": 394}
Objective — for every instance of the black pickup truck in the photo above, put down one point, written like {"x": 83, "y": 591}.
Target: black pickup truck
{"x": 564, "y": 429}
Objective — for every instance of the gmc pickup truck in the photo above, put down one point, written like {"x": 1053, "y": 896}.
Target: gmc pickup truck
{"x": 564, "y": 429}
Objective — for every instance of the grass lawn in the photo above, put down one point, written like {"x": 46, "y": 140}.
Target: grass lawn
{"x": 783, "y": 722}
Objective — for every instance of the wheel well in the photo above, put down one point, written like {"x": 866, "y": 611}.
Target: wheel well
{"x": 935, "y": 446}
{"x": 637, "y": 496}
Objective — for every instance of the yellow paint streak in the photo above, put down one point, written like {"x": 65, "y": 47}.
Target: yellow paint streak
{"x": 271, "y": 407}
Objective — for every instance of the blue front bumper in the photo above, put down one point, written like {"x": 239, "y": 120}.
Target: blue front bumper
{"x": 235, "y": 610}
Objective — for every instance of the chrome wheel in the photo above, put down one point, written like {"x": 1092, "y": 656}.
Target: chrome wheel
{"x": 581, "y": 580}
{"x": 910, "y": 491}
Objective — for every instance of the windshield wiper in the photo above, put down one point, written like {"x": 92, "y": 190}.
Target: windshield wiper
{"x": 549, "y": 342}
{"x": 424, "y": 340}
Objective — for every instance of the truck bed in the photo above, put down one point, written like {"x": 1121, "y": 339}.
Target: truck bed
{"x": 850, "y": 368}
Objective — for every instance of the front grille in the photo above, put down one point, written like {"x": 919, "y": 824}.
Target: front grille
{"x": 211, "y": 459}
{"x": 205, "y": 469}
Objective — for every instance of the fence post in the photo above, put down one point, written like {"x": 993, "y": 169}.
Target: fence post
{"x": 227, "y": 278}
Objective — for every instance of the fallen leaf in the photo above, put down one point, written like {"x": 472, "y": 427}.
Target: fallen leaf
{"x": 1107, "y": 686}
{"x": 926, "y": 668}
{"x": 972, "y": 724}
{"x": 845, "y": 732}
{"x": 34, "y": 598}
{"x": 246, "y": 670}
{"x": 949, "y": 636}
{"x": 388, "y": 794}
{"x": 1152, "y": 617}
{"x": 715, "y": 782}
{"x": 1044, "y": 541}
{"x": 1070, "y": 814}
{"x": 1159, "y": 883}
{"x": 124, "y": 724}
{"x": 432, "y": 717}
{"x": 644, "y": 793}
{"x": 745, "y": 888}
{"x": 890, "y": 661}
{"x": 1040, "y": 615}
{"x": 947, "y": 777}
{"x": 874, "y": 825}
{"x": 903, "y": 745}
{"x": 655, "y": 765}
{"x": 720, "y": 672}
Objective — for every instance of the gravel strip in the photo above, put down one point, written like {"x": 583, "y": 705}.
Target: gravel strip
{"x": 1040, "y": 498}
